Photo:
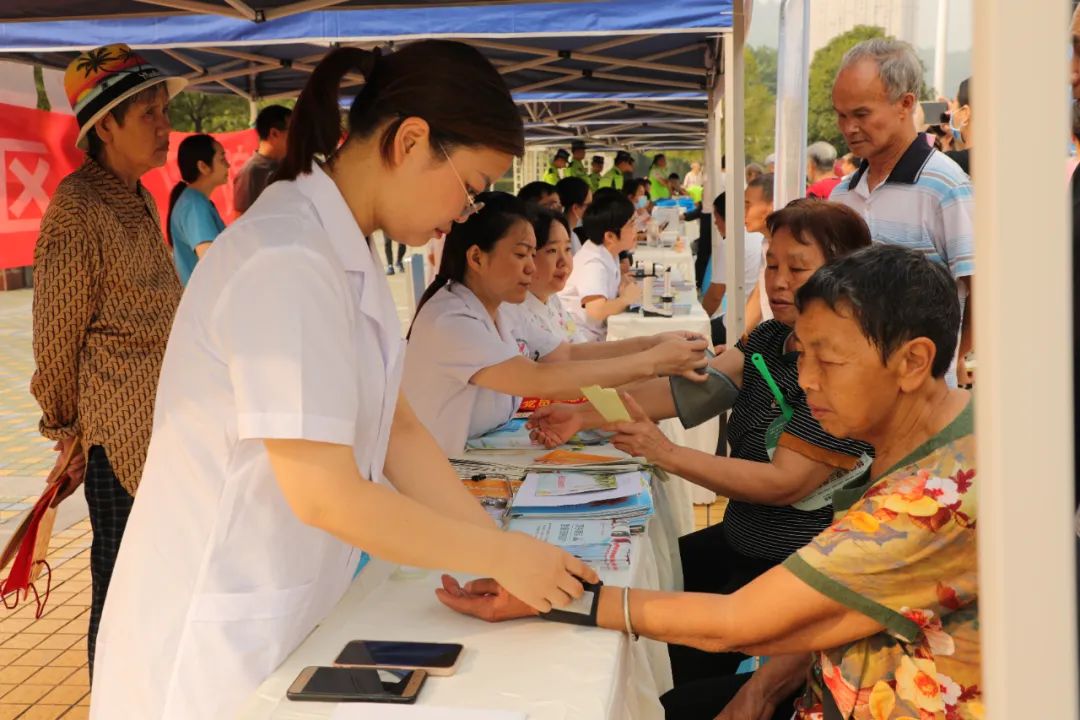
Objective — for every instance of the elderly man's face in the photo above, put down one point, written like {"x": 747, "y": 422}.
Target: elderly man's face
{"x": 848, "y": 389}
{"x": 870, "y": 122}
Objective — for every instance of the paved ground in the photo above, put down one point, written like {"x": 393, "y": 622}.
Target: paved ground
{"x": 43, "y": 672}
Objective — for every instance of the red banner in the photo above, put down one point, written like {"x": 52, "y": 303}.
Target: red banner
{"x": 37, "y": 151}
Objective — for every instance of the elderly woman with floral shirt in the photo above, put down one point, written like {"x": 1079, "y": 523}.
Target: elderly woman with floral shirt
{"x": 877, "y": 616}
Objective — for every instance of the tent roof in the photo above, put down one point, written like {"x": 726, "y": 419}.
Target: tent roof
{"x": 566, "y": 61}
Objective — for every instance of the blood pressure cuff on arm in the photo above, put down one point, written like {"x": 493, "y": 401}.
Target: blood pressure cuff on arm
{"x": 697, "y": 402}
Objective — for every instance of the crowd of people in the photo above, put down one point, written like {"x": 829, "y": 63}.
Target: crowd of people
{"x": 250, "y": 417}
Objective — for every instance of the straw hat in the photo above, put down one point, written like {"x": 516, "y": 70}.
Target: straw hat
{"x": 100, "y": 79}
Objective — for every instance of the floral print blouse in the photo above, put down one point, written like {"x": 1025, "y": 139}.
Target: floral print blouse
{"x": 904, "y": 555}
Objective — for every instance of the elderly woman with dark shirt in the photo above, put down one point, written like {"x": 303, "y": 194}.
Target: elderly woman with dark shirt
{"x": 877, "y": 615}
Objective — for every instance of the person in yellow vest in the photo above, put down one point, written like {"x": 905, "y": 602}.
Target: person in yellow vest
{"x": 593, "y": 177}
{"x": 616, "y": 176}
{"x": 554, "y": 172}
{"x": 660, "y": 185}
{"x": 576, "y": 168}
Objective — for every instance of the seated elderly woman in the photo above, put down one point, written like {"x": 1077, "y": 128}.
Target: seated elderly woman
{"x": 783, "y": 467}
{"x": 877, "y": 615}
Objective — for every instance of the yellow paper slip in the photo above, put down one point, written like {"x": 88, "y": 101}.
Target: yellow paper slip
{"x": 607, "y": 402}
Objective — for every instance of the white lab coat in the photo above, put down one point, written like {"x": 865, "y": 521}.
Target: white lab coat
{"x": 286, "y": 330}
{"x": 453, "y": 338}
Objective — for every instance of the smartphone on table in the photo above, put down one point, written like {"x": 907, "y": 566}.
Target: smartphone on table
{"x": 438, "y": 659}
{"x": 340, "y": 684}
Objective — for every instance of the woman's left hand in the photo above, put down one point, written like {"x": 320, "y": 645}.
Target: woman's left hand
{"x": 641, "y": 437}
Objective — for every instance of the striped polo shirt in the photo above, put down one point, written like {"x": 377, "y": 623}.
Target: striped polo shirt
{"x": 925, "y": 205}
{"x": 765, "y": 531}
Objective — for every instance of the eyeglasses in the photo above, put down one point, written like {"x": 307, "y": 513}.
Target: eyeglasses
{"x": 472, "y": 206}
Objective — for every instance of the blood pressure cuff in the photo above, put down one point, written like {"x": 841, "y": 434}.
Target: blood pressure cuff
{"x": 697, "y": 402}
{"x": 581, "y": 611}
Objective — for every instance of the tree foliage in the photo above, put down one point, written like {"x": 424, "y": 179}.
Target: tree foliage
{"x": 759, "y": 103}
{"x": 207, "y": 113}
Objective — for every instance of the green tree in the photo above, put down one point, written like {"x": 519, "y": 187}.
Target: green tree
{"x": 759, "y": 105}
{"x": 821, "y": 123}
{"x": 767, "y": 63}
{"x": 206, "y": 113}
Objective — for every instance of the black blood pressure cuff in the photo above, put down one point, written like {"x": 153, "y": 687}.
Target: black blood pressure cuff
{"x": 581, "y": 611}
{"x": 697, "y": 402}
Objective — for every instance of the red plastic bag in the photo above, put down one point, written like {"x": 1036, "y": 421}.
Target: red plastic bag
{"x": 24, "y": 556}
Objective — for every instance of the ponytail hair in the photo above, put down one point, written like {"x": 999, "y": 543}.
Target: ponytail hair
{"x": 425, "y": 79}
{"x": 193, "y": 150}
{"x": 500, "y": 213}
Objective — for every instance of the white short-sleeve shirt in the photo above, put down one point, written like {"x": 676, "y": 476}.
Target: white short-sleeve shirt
{"x": 288, "y": 331}
{"x": 753, "y": 260}
{"x": 452, "y": 339}
{"x": 596, "y": 272}
{"x": 552, "y": 317}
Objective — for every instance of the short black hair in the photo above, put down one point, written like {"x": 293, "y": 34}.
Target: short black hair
{"x": 673, "y": 176}
{"x": 572, "y": 191}
{"x": 895, "y": 295}
{"x": 763, "y": 182}
{"x": 598, "y": 159}
{"x": 609, "y": 212}
{"x": 719, "y": 205}
{"x": 272, "y": 117}
{"x": 535, "y": 192}
{"x": 542, "y": 219}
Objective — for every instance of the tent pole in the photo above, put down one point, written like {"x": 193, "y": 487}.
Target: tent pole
{"x": 1027, "y": 563}
{"x": 792, "y": 96}
{"x": 735, "y": 145}
{"x": 194, "y": 6}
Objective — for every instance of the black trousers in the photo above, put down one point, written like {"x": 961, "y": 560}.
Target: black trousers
{"x": 704, "y": 699}
{"x": 388, "y": 248}
{"x": 109, "y": 504}
{"x": 711, "y": 565}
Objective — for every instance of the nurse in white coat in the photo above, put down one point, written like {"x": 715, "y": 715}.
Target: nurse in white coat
{"x": 278, "y": 417}
{"x": 474, "y": 353}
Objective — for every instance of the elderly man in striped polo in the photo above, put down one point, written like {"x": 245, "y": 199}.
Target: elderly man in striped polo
{"x": 909, "y": 193}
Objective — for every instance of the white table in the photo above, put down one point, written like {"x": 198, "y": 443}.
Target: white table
{"x": 548, "y": 670}
{"x": 704, "y": 436}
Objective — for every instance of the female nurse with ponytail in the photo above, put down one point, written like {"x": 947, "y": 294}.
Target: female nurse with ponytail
{"x": 281, "y": 443}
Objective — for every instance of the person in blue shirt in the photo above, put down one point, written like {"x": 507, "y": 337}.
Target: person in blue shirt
{"x": 194, "y": 222}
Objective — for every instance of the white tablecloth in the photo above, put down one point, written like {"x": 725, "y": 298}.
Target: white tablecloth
{"x": 548, "y": 670}
{"x": 704, "y": 436}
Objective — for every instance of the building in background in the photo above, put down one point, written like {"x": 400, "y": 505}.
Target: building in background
{"x": 829, "y": 18}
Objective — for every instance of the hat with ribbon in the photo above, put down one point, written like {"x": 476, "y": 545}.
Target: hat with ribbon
{"x": 100, "y": 79}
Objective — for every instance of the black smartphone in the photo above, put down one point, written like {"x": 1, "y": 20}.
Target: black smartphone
{"x": 339, "y": 684}
{"x": 935, "y": 113}
{"x": 436, "y": 658}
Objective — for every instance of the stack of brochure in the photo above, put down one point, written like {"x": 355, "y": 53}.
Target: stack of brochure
{"x": 591, "y": 514}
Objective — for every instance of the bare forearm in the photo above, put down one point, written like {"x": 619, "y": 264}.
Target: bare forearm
{"x": 744, "y": 480}
{"x": 609, "y": 349}
{"x": 418, "y": 469}
{"x": 563, "y": 381}
{"x": 714, "y": 296}
{"x": 601, "y": 310}
{"x": 967, "y": 327}
{"x": 325, "y": 490}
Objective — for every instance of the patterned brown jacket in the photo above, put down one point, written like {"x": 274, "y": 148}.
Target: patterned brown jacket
{"x": 105, "y": 292}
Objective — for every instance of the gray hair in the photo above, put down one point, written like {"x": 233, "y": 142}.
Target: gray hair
{"x": 822, "y": 154}
{"x": 898, "y": 65}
